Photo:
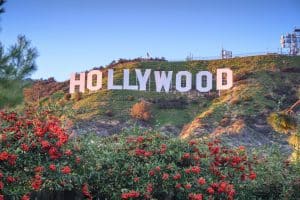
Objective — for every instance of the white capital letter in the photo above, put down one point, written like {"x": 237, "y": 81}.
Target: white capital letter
{"x": 126, "y": 80}
{"x": 199, "y": 81}
{"x": 142, "y": 79}
{"x": 98, "y": 84}
{"x": 188, "y": 81}
{"x": 161, "y": 80}
{"x": 74, "y": 82}
{"x": 110, "y": 81}
{"x": 220, "y": 72}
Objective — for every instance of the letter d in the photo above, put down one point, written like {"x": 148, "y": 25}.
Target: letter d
{"x": 220, "y": 79}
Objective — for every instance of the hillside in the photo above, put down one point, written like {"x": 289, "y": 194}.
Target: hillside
{"x": 262, "y": 85}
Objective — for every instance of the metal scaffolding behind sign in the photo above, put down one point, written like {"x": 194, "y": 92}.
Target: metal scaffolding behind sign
{"x": 291, "y": 41}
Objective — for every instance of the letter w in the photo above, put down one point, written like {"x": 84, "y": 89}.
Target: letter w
{"x": 162, "y": 80}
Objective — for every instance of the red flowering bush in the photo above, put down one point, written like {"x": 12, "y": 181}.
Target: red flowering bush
{"x": 35, "y": 155}
{"x": 153, "y": 166}
{"x": 38, "y": 156}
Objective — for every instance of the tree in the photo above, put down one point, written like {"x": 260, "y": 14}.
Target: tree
{"x": 19, "y": 62}
{"x": 16, "y": 64}
{"x": 1, "y": 6}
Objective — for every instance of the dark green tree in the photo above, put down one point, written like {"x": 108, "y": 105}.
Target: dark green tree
{"x": 19, "y": 62}
{"x": 1, "y": 6}
{"x": 16, "y": 64}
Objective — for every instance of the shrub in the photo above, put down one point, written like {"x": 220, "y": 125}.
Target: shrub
{"x": 36, "y": 155}
{"x": 77, "y": 96}
{"x": 141, "y": 111}
{"x": 109, "y": 113}
{"x": 147, "y": 165}
{"x": 178, "y": 103}
{"x": 282, "y": 122}
{"x": 130, "y": 98}
{"x": 67, "y": 96}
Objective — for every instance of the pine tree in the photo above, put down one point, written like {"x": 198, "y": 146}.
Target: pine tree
{"x": 19, "y": 62}
{"x": 1, "y": 6}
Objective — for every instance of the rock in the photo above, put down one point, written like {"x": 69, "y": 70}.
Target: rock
{"x": 170, "y": 130}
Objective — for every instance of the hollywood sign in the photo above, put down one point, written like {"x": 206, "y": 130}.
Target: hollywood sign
{"x": 163, "y": 80}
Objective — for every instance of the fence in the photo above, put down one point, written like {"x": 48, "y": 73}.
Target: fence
{"x": 191, "y": 58}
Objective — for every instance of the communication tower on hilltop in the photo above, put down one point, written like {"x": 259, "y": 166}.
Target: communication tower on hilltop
{"x": 291, "y": 41}
{"x": 226, "y": 54}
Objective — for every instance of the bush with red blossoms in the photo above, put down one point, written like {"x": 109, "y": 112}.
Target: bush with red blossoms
{"x": 35, "y": 155}
{"x": 150, "y": 165}
{"x": 38, "y": 156}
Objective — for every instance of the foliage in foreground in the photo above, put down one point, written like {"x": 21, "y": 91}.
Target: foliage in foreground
{"x": 38, "y": 156}
{"x": 16, "y": 64}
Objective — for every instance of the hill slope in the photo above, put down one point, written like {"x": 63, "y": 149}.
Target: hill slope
{"x": 262, "y": 85}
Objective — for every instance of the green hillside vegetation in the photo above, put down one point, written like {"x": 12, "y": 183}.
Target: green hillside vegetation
{"x": 262, "y": 85}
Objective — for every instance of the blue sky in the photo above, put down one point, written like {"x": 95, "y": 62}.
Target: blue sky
{"x": 76, "y": 35}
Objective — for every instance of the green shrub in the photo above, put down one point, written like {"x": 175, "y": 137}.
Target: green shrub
{"x": 282, "y": 122}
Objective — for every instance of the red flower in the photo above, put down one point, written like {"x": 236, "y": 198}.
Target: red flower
{"x": 39, "y": 131}
{"x": 195, "y": 196}
{"x": 178, "y": 185}
{"x": 4, "y": 155}
{"x": 37, "y": 182}
{"x": 85, "y": 191}
{"x": 52, "y": 167}
{"x": 188, "y": 186}
{"x": 214, "y": 150}
{"x": 163, "y": 149}
{"x": 201, "y": 181}
{"x": 39, "y": 169}
{"x": 66, "y": 170}
{"x": 210, "y": 190}
{"x": 140, "y": 139}
{"x": 187, "y": 171}
{"x": 148, "y": 153}
{"x": 222, "y": 187}
{"x": 165, "y": 176}
{"x": 196, "y": 169}
{"x": 24, "y": 147}
{"x": 136, "y": 179}
{"x": 186, "y": 156}
{"x": 10, "y": 179}
{"x": 157, "y": 168}
{"x": 45, "y": 144}
{"x": 25, "y": 197}
{"x": 252, "y": 175}
{"x": 192, "y": 142}
{"x": 3, "y": 137}
{"x": 53, "y": 153}
{"x": 177, "y": 176}
{"x": 1, "y": 185}
{"x": 131, "y": 194}
{"x": 151, "y": 173}
{"x": 68, "y": 152}
{"x": 78, "y": 159}
{"x": 149, "y": 188}
{"x": 242, "y": 148}
{"x": 12, "y": 159}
